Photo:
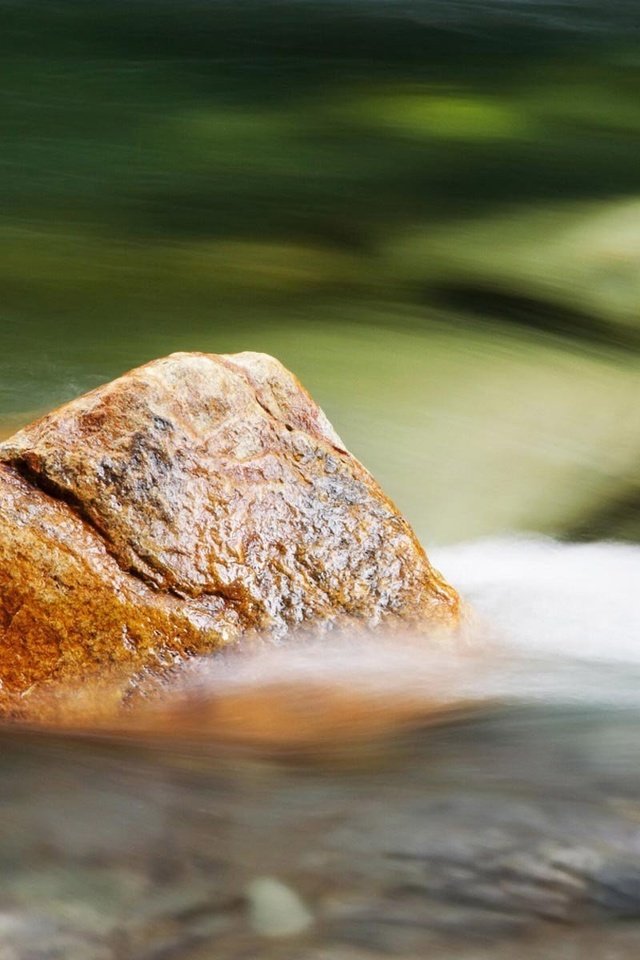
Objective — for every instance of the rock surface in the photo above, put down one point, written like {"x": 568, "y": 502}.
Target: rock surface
{"x": 195, "y": 501}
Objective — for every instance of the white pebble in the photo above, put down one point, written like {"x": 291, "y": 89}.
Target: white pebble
{"x": 276, "y": 910}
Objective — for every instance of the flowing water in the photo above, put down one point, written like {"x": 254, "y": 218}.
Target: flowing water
{"x": 430, "y": 211}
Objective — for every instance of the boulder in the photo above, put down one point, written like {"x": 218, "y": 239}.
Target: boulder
{"x": 194, "y": 502}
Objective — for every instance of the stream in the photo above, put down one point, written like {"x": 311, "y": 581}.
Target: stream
{"x": 430, "y": 212}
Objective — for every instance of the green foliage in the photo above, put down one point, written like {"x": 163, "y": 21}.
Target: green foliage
{"x": 320, "y": 180}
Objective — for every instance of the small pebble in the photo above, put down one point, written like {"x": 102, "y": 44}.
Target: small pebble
{"x": 276, "y": 910}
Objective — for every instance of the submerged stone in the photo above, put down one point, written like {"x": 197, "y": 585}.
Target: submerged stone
{"x": 276, "y": 910}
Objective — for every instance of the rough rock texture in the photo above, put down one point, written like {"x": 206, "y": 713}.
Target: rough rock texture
{"x": 196, "y": 500}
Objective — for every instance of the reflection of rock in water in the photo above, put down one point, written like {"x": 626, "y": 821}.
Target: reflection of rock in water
{"x": 515, "y": 832}
{"x": 524, "y": 824}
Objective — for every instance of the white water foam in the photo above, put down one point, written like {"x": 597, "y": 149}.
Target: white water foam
{"x": 553, "y": 599}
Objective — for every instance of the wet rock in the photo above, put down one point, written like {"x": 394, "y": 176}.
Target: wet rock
{"x": 195, "y": 501}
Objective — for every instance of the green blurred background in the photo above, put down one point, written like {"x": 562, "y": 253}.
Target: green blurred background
{"x": 429, "y": 210}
